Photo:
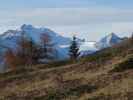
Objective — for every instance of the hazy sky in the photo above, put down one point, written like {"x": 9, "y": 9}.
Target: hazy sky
{"x": 90, "y": 19}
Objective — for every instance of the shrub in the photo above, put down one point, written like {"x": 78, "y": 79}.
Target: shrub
{"x": 125, "y": 65}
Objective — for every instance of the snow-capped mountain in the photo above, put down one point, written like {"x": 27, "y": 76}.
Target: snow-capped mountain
{"x": 108, "y": 41}
{"x": 35, "y": 34}
{"x": 61, "y": 44}
{"x": 9, "y": 39}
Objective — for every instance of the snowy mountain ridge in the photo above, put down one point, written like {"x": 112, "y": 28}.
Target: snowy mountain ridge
{"x": 8, "y": 40}
{"x": 108, "y": 41}
{"x": 10, "y": 37}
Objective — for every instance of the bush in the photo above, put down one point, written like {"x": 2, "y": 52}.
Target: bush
{"x": 75, "y": 91}
{"x": 125, "y": 65}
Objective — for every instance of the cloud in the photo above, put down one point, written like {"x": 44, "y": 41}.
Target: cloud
{"x": 88, "y": 21}
{"x": 68, "y": 16}
{"x": 74, "y": 16}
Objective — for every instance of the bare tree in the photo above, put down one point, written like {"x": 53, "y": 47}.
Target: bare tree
{"x": 46, "y": 47}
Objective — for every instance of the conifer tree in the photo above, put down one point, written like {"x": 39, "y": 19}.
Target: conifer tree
{"x": 74, "y": 49}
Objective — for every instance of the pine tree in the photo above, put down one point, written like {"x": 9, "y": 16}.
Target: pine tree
{"x": 74, "y": 49}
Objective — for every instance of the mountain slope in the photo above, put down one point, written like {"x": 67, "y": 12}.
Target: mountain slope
{"x": 10, "y": 38}
{"x": 108, "y": 41}
{"x": 91, "y": 78}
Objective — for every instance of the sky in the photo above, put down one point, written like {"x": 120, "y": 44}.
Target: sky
{"x": 89, "y": 19}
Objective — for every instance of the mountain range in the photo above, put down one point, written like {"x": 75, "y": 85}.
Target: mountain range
{"x": 9, "y": 40}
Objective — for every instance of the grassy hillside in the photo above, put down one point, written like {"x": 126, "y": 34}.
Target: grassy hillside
{"x": 105, "y": 75}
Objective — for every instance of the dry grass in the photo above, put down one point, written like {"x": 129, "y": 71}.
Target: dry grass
{"x": 85, "y": 80}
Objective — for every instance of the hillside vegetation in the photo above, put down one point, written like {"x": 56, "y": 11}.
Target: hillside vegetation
{"x": 105, "y": 75}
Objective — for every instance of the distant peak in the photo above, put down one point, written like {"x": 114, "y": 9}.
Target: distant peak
{"x": 108, "y": 41}
{"x": 25, "y": 26}
{"x": 113, "y": 35}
